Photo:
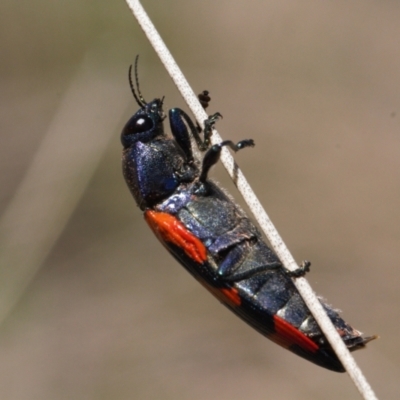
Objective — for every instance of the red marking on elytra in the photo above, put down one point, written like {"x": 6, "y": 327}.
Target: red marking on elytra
{"x": 287, "y": 335}
{"x": 229, "y": 296}
{"x": 232, "y": 296}
{"x": 169, "y": 229}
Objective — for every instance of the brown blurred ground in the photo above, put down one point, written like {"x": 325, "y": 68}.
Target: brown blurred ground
{"x": 316, "y": 84}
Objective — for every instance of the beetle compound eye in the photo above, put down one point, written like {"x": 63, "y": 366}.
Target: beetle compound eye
{"x": 143, "y": 124}
{"x": 138, "y": 124}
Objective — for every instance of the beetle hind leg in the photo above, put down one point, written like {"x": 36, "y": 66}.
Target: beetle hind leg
{"x": 244, "y": 261}
{"x": 299, "y": 272}
{"x": 261, "y": 260}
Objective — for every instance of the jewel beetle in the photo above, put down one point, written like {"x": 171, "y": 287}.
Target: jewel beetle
{"x": 211, "y": 236}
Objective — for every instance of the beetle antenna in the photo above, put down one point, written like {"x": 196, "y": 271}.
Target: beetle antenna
{"x": 137, "y": 81}
{"x": 141, "y": 105}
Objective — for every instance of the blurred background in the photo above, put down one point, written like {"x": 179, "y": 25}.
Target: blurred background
{"x": 91, "y": 305}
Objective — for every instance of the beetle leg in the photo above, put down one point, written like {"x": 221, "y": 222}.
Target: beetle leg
{"x": 177, "y": 120}
{"x": 301, "y": 271}
{"x": 239, "y": 276}
{"x": 243, "y": 261}
{"x": 208, "y": 125}
{"x": 214, "y": 152}
{"x": 297, "y": 273}
{"x": 204, "y": 98}
{"x": 239, "y": 254}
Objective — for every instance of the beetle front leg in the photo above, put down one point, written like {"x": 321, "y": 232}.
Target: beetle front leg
{"x": 179, "y": 123}
{"x": 204, "y": 98}
{"x": 177, "y": 118}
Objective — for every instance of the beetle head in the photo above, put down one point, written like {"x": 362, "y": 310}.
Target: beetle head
{"x": 147, "y": 123}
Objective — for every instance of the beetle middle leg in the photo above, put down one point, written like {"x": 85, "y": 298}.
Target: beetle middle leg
{"x": 214, "y": 152}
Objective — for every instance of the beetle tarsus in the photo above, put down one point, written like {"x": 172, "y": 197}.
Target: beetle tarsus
{"x": 301, "y": 271}
{"x": 208, "y": 125}
{"x": 204, "y": 98}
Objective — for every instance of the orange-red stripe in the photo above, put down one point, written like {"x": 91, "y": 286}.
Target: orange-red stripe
{"x": 232, "y": 296}
{"x": 287, "y": 335}
{"x": 169, "y": 229}
{"x": 229, "y": 296}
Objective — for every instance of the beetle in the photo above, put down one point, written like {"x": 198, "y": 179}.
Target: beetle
{"x": 211, "y": 236}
